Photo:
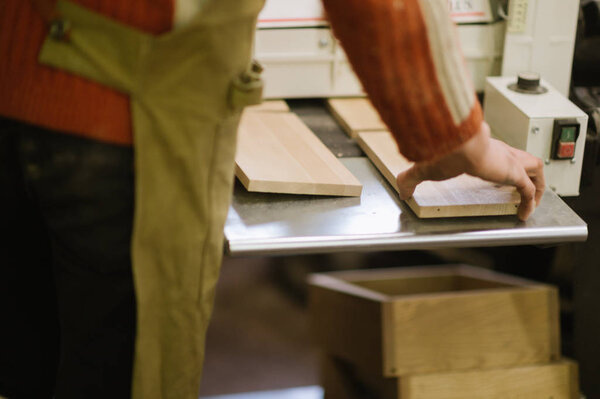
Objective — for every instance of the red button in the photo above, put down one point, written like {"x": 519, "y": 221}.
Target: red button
{"x": 565, "y": 150}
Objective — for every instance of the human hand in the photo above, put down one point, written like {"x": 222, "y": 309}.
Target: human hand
{"x": 486, "y": 158}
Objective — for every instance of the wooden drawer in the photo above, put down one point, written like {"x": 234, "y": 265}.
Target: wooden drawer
{"x": 433, "y": 319}
{"x": 557, "y": 380}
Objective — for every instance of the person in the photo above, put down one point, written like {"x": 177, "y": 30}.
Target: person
{"x": 117, "y": 140}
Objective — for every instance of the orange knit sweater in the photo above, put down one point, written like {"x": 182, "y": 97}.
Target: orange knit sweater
{"x": 407, "y": 56}
{"x": 405, "y": 52}
{"x": 56, "y": 99}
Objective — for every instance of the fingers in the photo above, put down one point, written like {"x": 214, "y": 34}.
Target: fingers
{"x": 540, "y": 185}
{"x": 535, "y": 170}
{"x": 527, "y": 189}
{"x": 527, "y": 175}
{"x": 407, "y": 181}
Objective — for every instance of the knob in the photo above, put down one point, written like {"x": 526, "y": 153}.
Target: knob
{"x": 528, "y": 83}
{"x": 528, "y": 80}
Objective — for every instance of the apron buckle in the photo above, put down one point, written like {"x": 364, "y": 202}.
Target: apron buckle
{"x": 60, "y": 29}
{"x": 246, "y": 89}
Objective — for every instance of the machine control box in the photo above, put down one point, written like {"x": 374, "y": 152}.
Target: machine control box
{"x": 542, "y": 122}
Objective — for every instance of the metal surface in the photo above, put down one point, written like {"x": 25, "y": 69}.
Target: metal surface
{"x": 273, "y": 224}
{"x": 315, "y": 115}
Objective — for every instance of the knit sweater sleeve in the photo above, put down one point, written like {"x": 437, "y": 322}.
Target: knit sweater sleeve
{"x": 408, "y": 59}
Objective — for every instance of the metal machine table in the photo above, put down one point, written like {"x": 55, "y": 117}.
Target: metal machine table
{"x": 278, "y": 224}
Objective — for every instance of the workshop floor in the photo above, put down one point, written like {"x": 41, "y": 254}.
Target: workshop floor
{"x": 259, "y": 338}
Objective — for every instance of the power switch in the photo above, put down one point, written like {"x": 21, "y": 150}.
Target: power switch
{"x": 564, "y": 137}
{"x": 565, "y": 150}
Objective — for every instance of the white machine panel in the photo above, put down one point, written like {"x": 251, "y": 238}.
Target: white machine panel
{"x": 482, "y": 46}
{"x": 302, "y": 59}
{"x": 304, "y": 62}
{"x": 541, "y": 37}
{"x": 527, "y": 121}
{"x": 309, "y": 62}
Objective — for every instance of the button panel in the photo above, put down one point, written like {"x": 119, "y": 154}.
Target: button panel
{"x": 564, "y": 137}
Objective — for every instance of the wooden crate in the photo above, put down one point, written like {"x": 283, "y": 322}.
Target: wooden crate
{"x": 433, "y": 319}
{"x": 556, "y": 380}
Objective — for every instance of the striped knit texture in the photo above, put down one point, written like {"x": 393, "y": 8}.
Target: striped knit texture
{"x": 58, "y": 100}
{"x": 407, "y": 56}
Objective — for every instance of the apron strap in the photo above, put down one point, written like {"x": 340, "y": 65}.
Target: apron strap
{"x": 59, "y": 28}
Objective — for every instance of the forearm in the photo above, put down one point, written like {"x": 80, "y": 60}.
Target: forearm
{"x": 407, "y": 56}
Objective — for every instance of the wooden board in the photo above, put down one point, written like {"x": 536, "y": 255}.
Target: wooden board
{"x": 467, "y": 330}
{"x": 269, "y": 106}
{"x": 461, "y": 196}
{"x": 557, "y": 380}
{"x": 277, "y": 153}
{"x": 355, "y": 115}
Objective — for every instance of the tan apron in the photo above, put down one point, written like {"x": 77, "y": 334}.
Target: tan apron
{"x": 187, "y": 90}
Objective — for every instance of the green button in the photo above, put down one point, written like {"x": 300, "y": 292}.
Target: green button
{"x": 567, "y": 134}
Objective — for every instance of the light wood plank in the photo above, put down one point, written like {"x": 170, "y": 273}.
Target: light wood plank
{"x": 467, "y": 330}
{"x": 355, "y": 115}
{"x": 461, "y": 196}
{"x": 277, "y": 153}
{"x": 555, "y": 380}
{"x": 269, "y": 106}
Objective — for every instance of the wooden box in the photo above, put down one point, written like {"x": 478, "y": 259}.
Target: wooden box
{"x": 396, "y": 322}
{"x": 557, "y": 380}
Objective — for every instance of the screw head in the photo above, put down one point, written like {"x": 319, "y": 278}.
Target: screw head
{"x": 547, "y": 161}
{"x": 323, "y": 42}
{"x": 535, "y": 130}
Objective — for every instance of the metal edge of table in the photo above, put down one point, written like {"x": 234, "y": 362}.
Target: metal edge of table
{"x": 389, "y": 242}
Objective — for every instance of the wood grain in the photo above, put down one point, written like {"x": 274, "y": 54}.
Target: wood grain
{"x": 355, "y": 115}
{"x": 269, "y": 106}
{"x": 346, "y": 325}
{"x": 277, "y": 153}
{"x": 461, "y": 196}
{"x": 403, "y": 322}
{"x": 557, "y": 380}
{"x": 469, "y": 330}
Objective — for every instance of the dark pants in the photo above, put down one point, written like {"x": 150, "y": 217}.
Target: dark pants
{"x": 67, "y": 306}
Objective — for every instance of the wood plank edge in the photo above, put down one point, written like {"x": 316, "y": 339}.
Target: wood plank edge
{"x": 263, "y": 108}
{"x": 553, "y": 320}
{"x": 473, "y": 210}
{"x": 242, "y": 177}
{"x": 299, "y": 188}
{"x": 377, "y": 162}
{"x": 340, "y": 120}
{"x": 573, "y": 378}
{"x": 344, "y": 287}
{"x": 389, "y": 339}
